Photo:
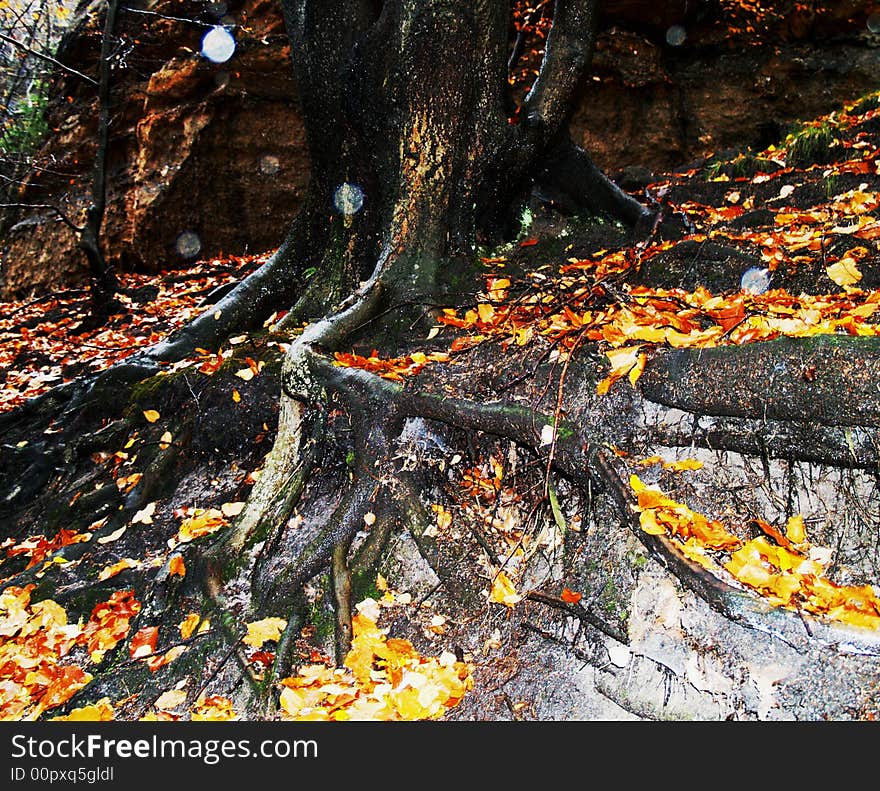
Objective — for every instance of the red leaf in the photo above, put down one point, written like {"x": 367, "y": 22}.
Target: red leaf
{"x": 570, "y": 596}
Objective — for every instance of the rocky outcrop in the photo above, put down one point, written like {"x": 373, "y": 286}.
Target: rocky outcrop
{"x": 216, "y": 151}
{"x": 205, "y": 158}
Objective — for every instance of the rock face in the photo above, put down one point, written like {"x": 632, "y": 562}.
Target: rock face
{"x": 216, "y": 152}
{"x": 205, "y": 157}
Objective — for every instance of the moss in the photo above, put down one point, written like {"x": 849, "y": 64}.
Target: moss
{"x": 866, "y": 103}
{"x": 812, "y": 144}
{"x": 832, "y": 186}
{"x": 363, "y": 586}
{"x": 743, "y": 165}
{"x": 609, "y": 600}
{"x": 322, "y": 619}
{"x": 148, "y": 390}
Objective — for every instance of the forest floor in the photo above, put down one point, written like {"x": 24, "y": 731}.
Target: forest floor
{"x": 755, "y": 246}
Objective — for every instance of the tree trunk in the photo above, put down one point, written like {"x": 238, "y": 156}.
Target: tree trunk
{"x": 418, "y": 151}
{"x": 103, "y": 281}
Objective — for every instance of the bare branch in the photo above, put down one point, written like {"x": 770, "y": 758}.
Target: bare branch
{"x": 48, "y": 58}
{"x": 64, "y": 218}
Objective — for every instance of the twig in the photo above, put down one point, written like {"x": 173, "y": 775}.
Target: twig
{"x": 580, "y": 612}
{"x": 48, "y": 58}
{"x": 64, "y": 218}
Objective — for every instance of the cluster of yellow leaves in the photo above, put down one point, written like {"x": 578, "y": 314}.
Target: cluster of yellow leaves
{"x": 681, "y": 319}
{"x": 101, "y": 711}
{"x": 36, "y": 638}
{"x": 789, "y": 572}
{"x": 382, "y": 679}
{"x": 208, "y": 708}
{"x": 649, "y": 318}
{"x": 109, "y": 623}
{"x": 394, "y": 368}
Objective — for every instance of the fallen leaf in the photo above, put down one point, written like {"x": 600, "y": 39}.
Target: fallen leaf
{"x": 145, "y": 515}
{"x": 188, "y": 625}
{"x": 112, "y": 536}
{"x": 845, "y": 272}
{"x": 570, "y": 596}
{"x": 232, "y": 509}
{"x": 115, "y": 568}
{"x": 143, "y": 642}
{"x": 170, "y": 699}
{"x": 151, "y": 415}
{"x": 503, "y": 591}
{"x": 259, "y": 632}
{"x": 177, "y": 567}
{"x": 683, "y": 464}
{"x": 795, "y": 531}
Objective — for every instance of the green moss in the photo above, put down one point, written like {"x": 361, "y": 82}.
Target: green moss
{"x": 363, "y": 586}
{"x": 743, "y": 165}
{"x": 812, "y": 144}
{"x": 148, "y": 390}
{"x": 868, "y": 102}
{"x": 832, "y": 186}
{"x": 322, "y": 619}
{"x": 25, "y": 126}
{"x": 610, "y": 600}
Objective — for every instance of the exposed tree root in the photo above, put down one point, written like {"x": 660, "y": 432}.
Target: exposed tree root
{"x": 827, "y": 379}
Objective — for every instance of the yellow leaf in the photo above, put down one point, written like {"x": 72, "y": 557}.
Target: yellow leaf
{"x": 503, "y": 591}
{"x": 794, "y": 530}
{"x": 684, "y": 464}
{"x": 636, "y": 371}
{"x": 112, "y": 536}
{"x": 112, "y": 570}
{"x": 236, "y": 396}
{"x": 260, "y": 632}
{"x": 165, "y": 440}
{"x": 188, "y": 625}
{"x": 245, "y": 373}
{"x": 145, "y": 515}
{"x": 369, "y": 608}
{"x": 151, "y": 415}
{"x": 369, "y": 518}
{"x": 844, "y": 272}
{"x": 102, "y": 711}
{"x": 649, "y": 524}
{"x": 486, "y": 312}
{"x": 203, "y": 523}
{"x": 170, "y": 699}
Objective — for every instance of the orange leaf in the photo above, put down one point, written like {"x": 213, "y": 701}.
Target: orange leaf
{"x": 143, "y": 643}
{"x": 177, "y": 567}
{"x": 570, "y": 596}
